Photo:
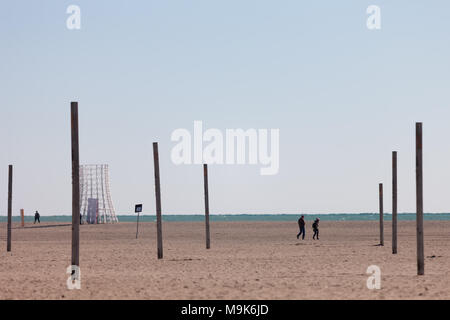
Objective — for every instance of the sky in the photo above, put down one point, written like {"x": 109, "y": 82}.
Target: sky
{"x": 342, "y": 96}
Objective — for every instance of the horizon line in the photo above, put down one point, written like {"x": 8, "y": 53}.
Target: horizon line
{"x": 243, "y": 214}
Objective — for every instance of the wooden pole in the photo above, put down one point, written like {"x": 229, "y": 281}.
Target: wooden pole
{"x": 10, "y": 182}
{"x": 158, "y": 201}
{"x": 381, "y": 216}
{"x": 419, "y": 200}
{"x": 22, "y": 218}
{"x": 208, "y": 236}
{"x": 137, "y": 226}
{"x": 394, "y": 202}
{"x": 75, "y": 186}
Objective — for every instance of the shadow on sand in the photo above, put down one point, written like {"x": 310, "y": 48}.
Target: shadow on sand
{"x": 44, "y": 226}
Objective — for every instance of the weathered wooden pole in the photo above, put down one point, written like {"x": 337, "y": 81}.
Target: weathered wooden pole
{"x": 158, "y": 201}
{"x": 137, "y": 226}
{"x": 394, "y": 202}
{"x": 22, "y": 218}
{"x": 419, "y": 201}
{"x": 75, "y": 186}
{"x": 381, "y": 215}
{"x": 208, "y": 236}
{"x": 10, "y": 182}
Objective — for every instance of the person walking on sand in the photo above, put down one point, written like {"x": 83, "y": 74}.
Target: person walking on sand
{"x": 301, "y": 225}
{"x": 316, "y": 228}
{"x": 37, "y": 217}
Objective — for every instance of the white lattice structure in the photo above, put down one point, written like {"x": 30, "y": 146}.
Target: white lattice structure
{"x": 95, "y": 195}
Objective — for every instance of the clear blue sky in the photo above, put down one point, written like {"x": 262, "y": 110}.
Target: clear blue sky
{"x": 342, "y": 96}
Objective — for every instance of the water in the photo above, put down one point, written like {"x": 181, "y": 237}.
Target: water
{"x": 250, "y": 217}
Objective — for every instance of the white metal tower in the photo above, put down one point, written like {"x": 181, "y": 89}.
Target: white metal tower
{"x": 95, "y": 195}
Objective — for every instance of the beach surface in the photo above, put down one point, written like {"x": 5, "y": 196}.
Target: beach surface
{"x": 247, "y": 260}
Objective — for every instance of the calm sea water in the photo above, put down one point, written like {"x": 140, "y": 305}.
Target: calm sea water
{"x": 251, "y": 217}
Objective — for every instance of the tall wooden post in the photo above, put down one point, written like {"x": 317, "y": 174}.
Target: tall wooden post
{"x": 419, "y": 201}
{"x": 158, "y": 201}
{"x": 22, "y": 218}
{"x": 75, "y": 186}
{"x": 208, "y": 236}
{"x": 381, "y": 216}
{"x": 10, "y": 182}
{"x": 137, "y": 225}
{"x": 394, "y": 202}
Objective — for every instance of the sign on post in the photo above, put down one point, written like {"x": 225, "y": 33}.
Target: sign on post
{"x": 138, "y": 210}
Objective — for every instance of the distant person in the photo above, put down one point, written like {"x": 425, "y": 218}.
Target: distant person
{"x": 315, "y": 227}
{"x": 301, "y": 226}
{"x": 37, "y": 217}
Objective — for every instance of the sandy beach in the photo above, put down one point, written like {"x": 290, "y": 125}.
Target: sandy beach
{"x": 248, "y": 260}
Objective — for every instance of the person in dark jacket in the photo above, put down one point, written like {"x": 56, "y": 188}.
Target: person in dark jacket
{"x": 301, "y": 225}
{"x": 316, "y": 228}
{"x": 37, "y": 217}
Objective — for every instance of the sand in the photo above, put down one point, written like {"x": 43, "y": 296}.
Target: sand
{"x": 248, "y": 260}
